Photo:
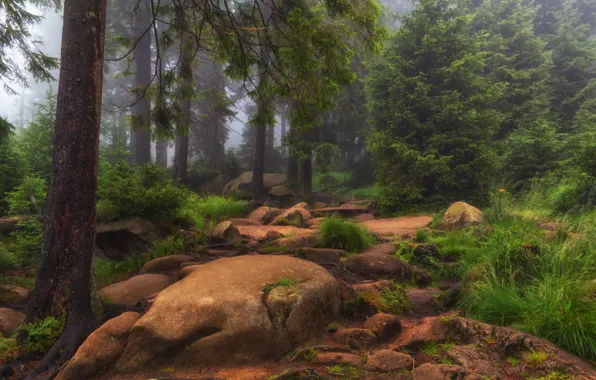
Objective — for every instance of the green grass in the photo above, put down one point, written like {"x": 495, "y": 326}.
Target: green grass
{"x": 344, "y": 371}
{"x": 279, "y": 283}
{"x": 310, "y": 355}
{"x": 340, "y": 234}
{"x": 25, "y": 282}
{"x": 517, "y": 277}
{"x": 391, "y": 300}
{"x": 197, "y": 210}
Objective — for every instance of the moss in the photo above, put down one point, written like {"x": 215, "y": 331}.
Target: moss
{"x": 279, "y": 283}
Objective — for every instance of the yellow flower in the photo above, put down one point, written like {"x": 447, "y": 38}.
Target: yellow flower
{"x": 502, "y": 190}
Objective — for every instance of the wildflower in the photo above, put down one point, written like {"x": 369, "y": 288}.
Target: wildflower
{"x": 501, "y": 190}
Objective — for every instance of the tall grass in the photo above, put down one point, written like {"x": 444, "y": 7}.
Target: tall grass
{"x": 197, "y": 210}
{"x": 340, "y": 234}
{"x": 519, "y": 276}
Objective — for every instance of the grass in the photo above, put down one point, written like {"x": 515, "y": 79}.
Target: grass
{"x": 518, "y": 277}
{"x": 279, "y": 283}
{"x": 345, "y": 371}
{"x": 197, "y": 210}
{"x": 25, "y": 282}
{"x": 421, "y": 236}
{"x": 310, "y": 355}
{"x": 391, "y": 300}
{"x": 535, "y": 358}
{"x": 9, "y": 350}
{"x": 340, "y": 234}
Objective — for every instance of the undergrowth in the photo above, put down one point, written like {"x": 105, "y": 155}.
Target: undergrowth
{"x": 212, "y": 208}
{"x": 340, "y": 234}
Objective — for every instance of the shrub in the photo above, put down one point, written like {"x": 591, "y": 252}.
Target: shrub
{"x": 42, "y": 335}
{"x": 28, "y": 241}
{"x": 8, "y": 259}
{"x": 29, "y": 197}
{"x": 211, "y": 208}
{"x": 340, "y": 234}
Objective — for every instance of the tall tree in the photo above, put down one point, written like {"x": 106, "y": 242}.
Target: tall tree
{"x": 142, "y": 107}
{"x": 64, "y": 277}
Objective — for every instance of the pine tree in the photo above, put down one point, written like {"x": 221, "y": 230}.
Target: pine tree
{"x": 433, "y": 111}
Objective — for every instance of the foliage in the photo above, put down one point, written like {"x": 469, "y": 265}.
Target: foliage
{"x": 9, "y": 350}
{"x": 29, "y": 197}
{"x": 10, "y": 164}
{"x": 344, "y": 371}
{"x": 433, "y": 113}
{"x": 41, "y": 335}
{"x": 282, "y": 282}
{"x": 28, "y": 239}
{"x": 390, "y": 300}
{"x": 341, "y": 234}
{"x": 197, "y": 210}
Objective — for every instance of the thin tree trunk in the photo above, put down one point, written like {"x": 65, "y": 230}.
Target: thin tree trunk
{"x": 258, "y": 185}
{"x": 283, "y": 132}
{"x": 65, "y": 273}
{"x": 181, "y": 151}
{"x": 142, "y": 109}
{"x": 305, "y": 184}
{"x": 161, "y": 153}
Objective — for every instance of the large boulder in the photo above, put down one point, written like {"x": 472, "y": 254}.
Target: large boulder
{"x": 101, "y": 349}
{"x": 264, "y": 214}
{"x": 244, "y": 181}
{"x": 9, "y": 320}
{"x": 295, "y": 216}
{"x": 125, "y": 237}
{"x": 165, "y": 264}
{"x": 233, "y": 311}
{"x": 13, "y": 294}
{"x": 9, "y": 224}
{"x": 131, "y": 291}
{"x": 461, "y": 214}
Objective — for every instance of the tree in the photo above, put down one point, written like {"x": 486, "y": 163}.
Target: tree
{"x": 10, "y": 164}
{"x": 432, "y": 111}
{"x": 64, "y": 280}
{"x": 18, "y": 37}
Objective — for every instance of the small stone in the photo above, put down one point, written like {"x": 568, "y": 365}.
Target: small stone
{"x": 322, "y": 255}
{"x": 424, "y": 302}
{"x": 338, "y": 358}
{"x": 384, "y": 326}
{"x": 225, "y": 232}
{"x": 387, "y": 360}
{"x": 357, "y": 339}
{"x": 165, "y": 264}
{"x": 13, "y": 293}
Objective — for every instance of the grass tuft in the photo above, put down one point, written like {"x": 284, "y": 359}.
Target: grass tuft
{"x": 340, "y": 234}
{"x": 279, "y": 283}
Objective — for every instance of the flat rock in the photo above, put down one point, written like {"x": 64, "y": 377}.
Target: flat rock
{"x": 165, "y": 264}
{"x": 322, "y": 255}
{"x": 13, "y": 293}
{"x": 475, "y": 359}
{"x": 438, "y": 372}
{"x": 292, "y": 243}
{"x": 424, "y": 302}
{"x": 381, "y": 249}
{"x": 374, "y": 286}
{"x": 220, "y": 315}
{"x": 420, "y": 332}
{"x": 398, "y": 227}
{"x": 129, "y": 292}
{"x": 388, "y": 360}
{"x": 314, "y": 222}
{"x": 101, "y": 349}
{"x": 376, "y": 266}
{"x": 292, "y": 217}
{"x": 244, "y": 222}
{"x": 461, "y": 214}
{"x": 259, "y": 233}
{"x": 364, "y": 217}
{"x": 358, "y": 339}
{"x": 339, "y": 358}
{"x": 384, "y": 326}
{"x": 349, "y": 210}
{"x": 10, "y": 320}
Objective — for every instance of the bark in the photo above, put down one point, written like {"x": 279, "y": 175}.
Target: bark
{"x": 271, "y": 138}
{"x": 64, "y": 277}
{"x": 305, "y": 184}
{"x": 283, "y": 132}
{"x": 142, "y": 109}
{"x": 292, "y": 169}
{"x": 181, "y": 155}
{"x": 258, "y": 185}
{"x": 161, "y": 153}
{"x": 181, "y": 150}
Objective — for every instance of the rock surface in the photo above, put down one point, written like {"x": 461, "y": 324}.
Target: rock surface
{"x": 225, "y": 232}
{"x": 264, "y": 214}
{"x": 101, "y": 349}
{"x": 165, "y": 264}
{"x": 424, "y": 302}
{"x": 384, "y": 326}
{"x": 322, "y": 255}
{"x": 461, "y": 214}
{"x": 259, "y": 233}
{"x": 405, "y": 225}
{"x": 244, "y": 180}
{"x": 10, "y": 320}
{"x": 292, "y": 217}
{"x": 357, "y": 339}
{"x": 131, "y": 291}
{"x": 387, "y": 360}
{"x": 13, "y": 293}
{"x": 116, "y": 240}
{"x": 292, "y": 243}
{"x": 377, "y": 266}
{"x": 219, "y": 314}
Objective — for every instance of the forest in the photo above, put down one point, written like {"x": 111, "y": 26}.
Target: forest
{"x": 298, "y": 189}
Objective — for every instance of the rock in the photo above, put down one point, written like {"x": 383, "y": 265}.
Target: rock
{"x": 381, "y": 249}
{"x": 219, "y": 315}
{"x": 422, "y": 251}
{"x": 438, "y": 372}
{"x": 183, "y": 272}
{"x": 364, "y": 218}
{"x": 244, "y": 222}
{"x": 339, "y": 358}
{"x": 420, "y": 332}
{"x": 101, "y": 349}
{"x": 129, "y": 292}
{"x": 9, "y": 224}
{"x": 272, "y": 236}
{"x": 165, "y": 264}
{"x": 477, "y": 360}
{"x": 10, "y": 320}
{"x": 420, "y": 276}
{"x": 398, "y": 227}
{"x": 264, "y": 215}
{"x": 446, "y": 284}
{"x": 244, "y": 181}
{"x": 358, "y": 339}
{"x": 371, "y": 287}
{"x": 125, "y": 237}
{"x": 384, "y": 326}
{"x": 452, "y": 294}
{"x": 259, "y": 233}
{"x": 346, "y": 210}
{"x": 13, "y": 293}
{"x": 302, "y": 205}
{"x": 292, "y": 243}
{"x": 252, "y": 245}
{"x": 297, "y": 373}
{"x": 225, "y": 232}
{"x": 387, "y": 361}
{"x": 282, "y": 192}
{"x": 314, "y": 222}
{"x": 424, "y": 302}
{"x": 292, "y": 217}
{"x": 461, "y": 214}
{"x": 376, "y": 266}
{"x": 322, "y": 255}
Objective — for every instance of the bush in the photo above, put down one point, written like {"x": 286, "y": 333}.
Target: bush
{"x": 29, "y": 197}
{"x": 42, "y": 335}
{"x": 8, "y": 259}
{"x": 212, "y": 208}
{"x": 337, "y": 233}
{"x": 28, "y": 242}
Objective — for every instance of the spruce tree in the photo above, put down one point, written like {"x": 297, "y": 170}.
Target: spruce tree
{"x": 434, "y": 113}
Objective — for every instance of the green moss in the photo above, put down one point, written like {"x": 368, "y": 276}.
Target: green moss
{"x": 344, "y": 371}
{"x": 279, "y": 283}
{"x": 310, "y": 355}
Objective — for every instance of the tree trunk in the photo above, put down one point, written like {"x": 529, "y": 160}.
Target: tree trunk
{"x": 292, "y": 169}
{"x": 305, "y": 184}
{"x": 64, "y": 277}
{"x": 258, "y": 185}
{"x": 181, "y": 156}
{"x": 283, "y": 132}
{"x": 142, "y": 109}
{"x": 181, "y": 151}
{"x": 161, "y": 153}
